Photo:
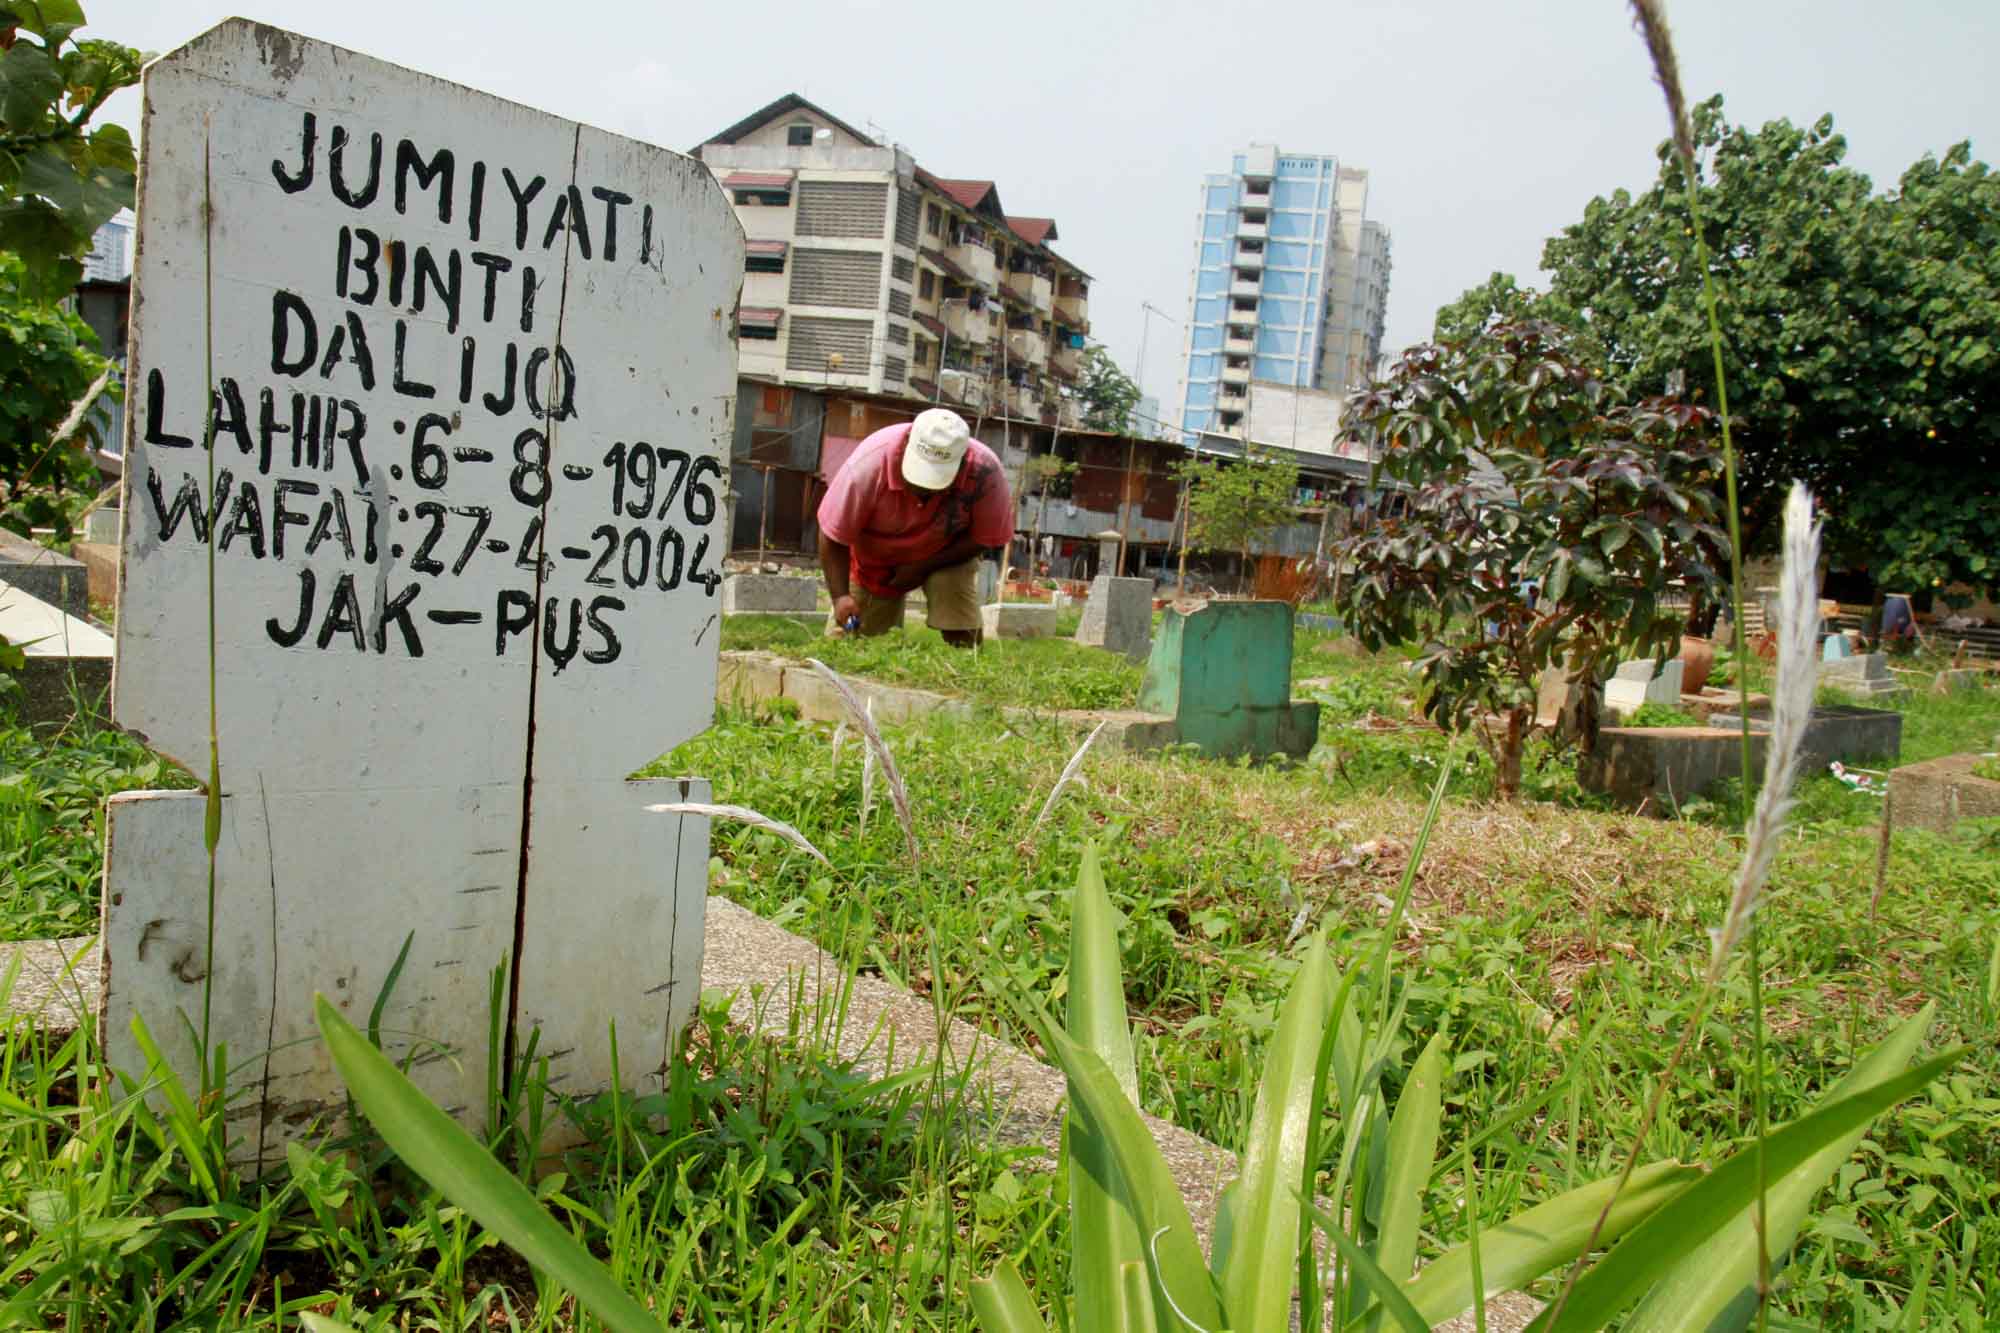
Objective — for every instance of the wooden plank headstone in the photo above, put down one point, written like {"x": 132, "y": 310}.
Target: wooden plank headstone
{"x": 472, "y": 378}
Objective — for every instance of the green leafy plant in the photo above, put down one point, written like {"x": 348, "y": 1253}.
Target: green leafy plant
{"x": 61, "y": 178}
{"x": 1108, "y": 393}
{"x": 1988, "y": 768}
{"x": 1136, "y": 1264}
{"x": 1661, "y": 715}
{"x": 1543, "y": 523}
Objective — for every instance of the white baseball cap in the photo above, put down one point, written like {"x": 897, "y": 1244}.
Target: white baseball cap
{"x": 935, "y": 448}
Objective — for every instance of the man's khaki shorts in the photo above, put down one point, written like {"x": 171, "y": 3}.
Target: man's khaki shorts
{"x": 951, "y": 602}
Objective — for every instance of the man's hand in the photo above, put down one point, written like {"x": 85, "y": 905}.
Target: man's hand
{"x": 846, "y": 611}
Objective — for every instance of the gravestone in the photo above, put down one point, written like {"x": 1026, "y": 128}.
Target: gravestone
{"x": 472, "y": 387}
{"x": 1118, "y": 616}
{"x": 774, "y": 594}
{"x": 1108, "y": 542}
{"x": 1223, "y": 672}
{"x": 1635, "y": 684}
{"x": 1863, "y": 673}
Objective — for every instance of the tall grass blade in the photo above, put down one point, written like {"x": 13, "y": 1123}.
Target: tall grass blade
{"x": 1256, "y": 1270}
{"x": 454, "y": 1164}
{"x": 1665, "y": 1240}
{"x": 1001, "y": 1303}
{"x": 1534, "y": 1242}
{"x": 1413, "y": 1134}
{"x": 1103, "y": 1235}
{"x": 867, "y": 779}
{"x": 1393, "y": 1303}
{"x": 1069, "y": 773}
{"x": 388, "y": 987}
{"x": 1722, "y": 1275}
{"x": 1180, "y": 1274}
{"x": 744, "y": 815}
{"x": 863, "y": 719}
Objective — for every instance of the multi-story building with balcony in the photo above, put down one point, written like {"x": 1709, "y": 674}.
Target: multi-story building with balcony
{"x": 1278, "y": 272}
{"x": 866, "y": 272}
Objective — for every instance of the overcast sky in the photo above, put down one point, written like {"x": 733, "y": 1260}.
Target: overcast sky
{"x": 1486, "y": 125}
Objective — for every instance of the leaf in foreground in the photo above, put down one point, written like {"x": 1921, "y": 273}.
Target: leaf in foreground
{"x": 453, "y": 1163}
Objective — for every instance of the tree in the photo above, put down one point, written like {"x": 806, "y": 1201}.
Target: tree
{"x": 60, "y": 178}
{"x": 1545, "y": 520}
{"x": 1108, "y": 393}
{"x": 1040, "y": 474}
{"x": 1232, "y": 504}
{"x": 48, "y": 358}
{"x": 1858, "y": 332}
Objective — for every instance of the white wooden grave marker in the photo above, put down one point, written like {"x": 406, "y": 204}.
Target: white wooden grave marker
{"x": 473, "y": 371}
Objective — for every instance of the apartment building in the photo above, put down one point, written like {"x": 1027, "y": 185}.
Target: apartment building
{"x": 866, "y": 272}
{"x": 1286, "y": 280}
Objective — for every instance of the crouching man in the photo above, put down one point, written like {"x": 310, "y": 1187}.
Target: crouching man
{"x": 913, "y": 507}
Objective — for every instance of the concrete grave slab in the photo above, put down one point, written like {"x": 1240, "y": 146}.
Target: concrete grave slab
{"x": 69, "y": 660}
{"x": 768, "y": 593}
{"x": 1018, "y": 620}
{"x": 465, "y": 494}
{"x": 1865, "y": 674}
{"x": 42, "y": 573}
{"x": 1938, "y": 793}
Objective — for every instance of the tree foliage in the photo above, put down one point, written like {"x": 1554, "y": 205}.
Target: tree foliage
{"x": 1108, "y": 393}
{"x": 60, "y": 177}
{"x": 1544, "y": 520}
{"x": 1231, "y": 505}
{"x": 48, "y": 358}
{"x": 1861, "y": 332}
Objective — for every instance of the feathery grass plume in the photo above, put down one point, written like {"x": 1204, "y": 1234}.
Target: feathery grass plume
{"x": 1652, "y": 23}
{"x": 867, "y": 777}
{"x": 1791, "y": 712}
{"x": 1069, "y": 773}
{"x": 839, "y": 737}
{"x": 744, "y": 815}
{"x": 863, "y": 719}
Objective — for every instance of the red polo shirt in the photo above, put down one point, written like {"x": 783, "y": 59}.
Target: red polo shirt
{"x": 884, "y": 522}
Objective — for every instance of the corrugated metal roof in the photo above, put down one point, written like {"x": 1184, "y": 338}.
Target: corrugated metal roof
{"x": 760, "y": 316}
{"x": 757, "y": 180}
{"x": 766, "y": 247}
{"x": 929, "y": 325}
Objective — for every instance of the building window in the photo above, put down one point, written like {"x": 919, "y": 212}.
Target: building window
{"x": 764, "y": 263}
{"x": 926, "y": 284}
{"x": 771, "y": 198}
{"x": 933, "y": 220}
{"x": 798, "y": 136}
{"x": 924, "y": 346}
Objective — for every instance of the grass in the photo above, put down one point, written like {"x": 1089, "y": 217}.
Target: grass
{"x": 790, "y": 1189}
{"x": 1033, "y": 673}
{"x": 52, "y": 793}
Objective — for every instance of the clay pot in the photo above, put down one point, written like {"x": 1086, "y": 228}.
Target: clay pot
{"x": 1697, "y": 660}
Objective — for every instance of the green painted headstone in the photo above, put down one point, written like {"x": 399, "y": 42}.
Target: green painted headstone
{"x": 1223, "y": 672}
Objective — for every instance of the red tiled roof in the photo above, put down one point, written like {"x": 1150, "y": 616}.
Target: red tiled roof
{"x": 766, "y": 247}
{"x": 925, "y": 387}
{"x": 760, "y": 316}
{"x": 930, "y": 326}
{"x": 1033, "y": 230}
{"x": 969, "y": 194}
{"x": 757, "y": 180}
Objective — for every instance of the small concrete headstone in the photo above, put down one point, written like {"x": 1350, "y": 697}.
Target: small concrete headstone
{"x": 1223, "y": 672}
{"x": 1018, "y": 620}
{"x": 1635, "y": 684}
{"x": 771, "y": 593}
{"x": 1118, "y": 616}
{"x": 473, "y": 377}
{"x": 1863, "y": 673}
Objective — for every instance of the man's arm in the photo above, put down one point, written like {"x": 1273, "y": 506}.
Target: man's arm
{"x": 834, "y": 562}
